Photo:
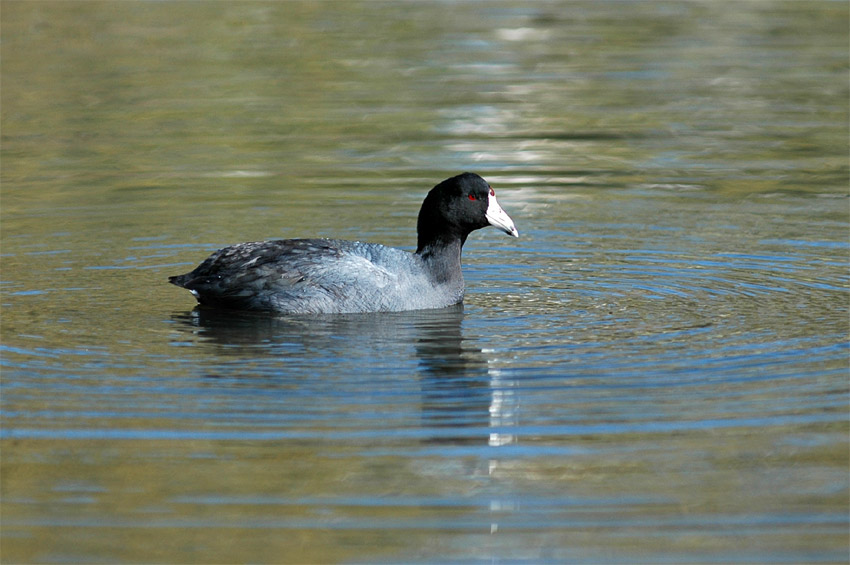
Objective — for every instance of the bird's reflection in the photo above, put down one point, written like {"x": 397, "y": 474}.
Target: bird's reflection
{"x": 466, "y": 399}
{"x": 454, "y": 380}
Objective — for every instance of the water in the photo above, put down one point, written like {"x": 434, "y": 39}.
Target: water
{"x": 656, "y": 371}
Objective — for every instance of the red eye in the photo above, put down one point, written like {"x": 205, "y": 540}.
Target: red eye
{"x": 492, "y": 192}
{"x": 472, "y": 197}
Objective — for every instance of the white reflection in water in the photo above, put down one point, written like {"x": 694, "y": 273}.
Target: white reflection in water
{"x": 504, "y": 418}
{"x": 503, "y": 409}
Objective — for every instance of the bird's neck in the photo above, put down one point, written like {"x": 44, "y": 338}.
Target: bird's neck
{"x": 442, "y": 257}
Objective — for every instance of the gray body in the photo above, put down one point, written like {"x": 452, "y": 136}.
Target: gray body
{"x": 311, "y": 276}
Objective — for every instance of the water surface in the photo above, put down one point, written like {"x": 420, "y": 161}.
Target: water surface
{"x": 656, "y": 371}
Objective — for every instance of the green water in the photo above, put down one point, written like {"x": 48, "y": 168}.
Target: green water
{"x": 656, "y": 371}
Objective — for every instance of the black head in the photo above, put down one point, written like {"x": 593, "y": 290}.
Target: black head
{"x": 456, "y": 207}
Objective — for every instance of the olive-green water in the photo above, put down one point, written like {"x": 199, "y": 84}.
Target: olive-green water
{"x": 655, "y": 371}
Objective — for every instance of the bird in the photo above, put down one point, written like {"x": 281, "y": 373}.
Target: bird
{"x": 334, "y": 276}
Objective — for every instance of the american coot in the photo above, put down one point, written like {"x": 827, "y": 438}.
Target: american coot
{"x": 313, "y": 276}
